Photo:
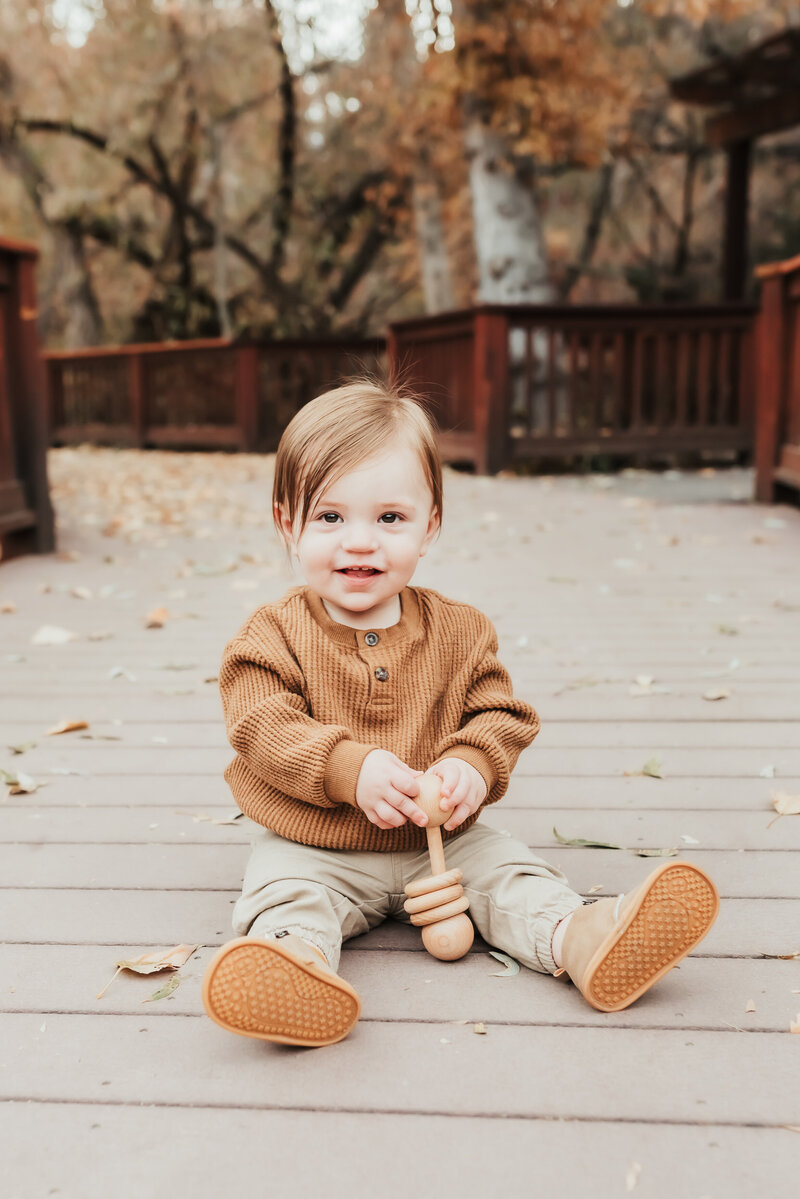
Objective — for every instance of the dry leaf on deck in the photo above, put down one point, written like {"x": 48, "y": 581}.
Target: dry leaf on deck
{"x": 157, "y": 618}
{"x": 164, "y": 992}
{"x": 7, "y": 607}
{"x": 583, "y": 842}
{"x": 479, "y": 1028}
{"x": 784, "y": 804}
{"x": 19, "y": 783}
{"x": 632, "y": 1176}
{"x": 795, "y": 1024}
{"x": 50, "y": 634}
{"x": 717, "y": 693}
{"x": 23, "y": 747}
{"x": 67, "y": 726}
{"x": 151, "y": 963}
{"x": 651, "y": 768}
{"x": 781, "y": 957}
{"x": 511, "y": 967}
{"x": 751, "y": 1005}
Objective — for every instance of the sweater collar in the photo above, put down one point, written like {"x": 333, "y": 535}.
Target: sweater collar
{"x": 343, "y": 634}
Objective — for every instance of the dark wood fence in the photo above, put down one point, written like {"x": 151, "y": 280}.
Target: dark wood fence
{"x": 778, "y": 358}
{"x": 516, "y": 383}
{"x": 509, "y": 384}
{"x": 195, "y": 394}
{"x": 26, "y": 516}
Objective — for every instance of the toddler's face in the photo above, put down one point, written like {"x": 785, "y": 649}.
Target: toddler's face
{"x": 365, "y": 535}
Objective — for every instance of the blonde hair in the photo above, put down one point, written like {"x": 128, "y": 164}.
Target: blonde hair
{"x": 336, "y": 432}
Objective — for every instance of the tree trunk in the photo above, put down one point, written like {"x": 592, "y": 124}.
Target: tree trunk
{"x": 512, "y": 260}
{"x": 436, "y": 278}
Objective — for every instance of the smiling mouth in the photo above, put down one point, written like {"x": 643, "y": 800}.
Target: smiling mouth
{"x": 359, "y": 572}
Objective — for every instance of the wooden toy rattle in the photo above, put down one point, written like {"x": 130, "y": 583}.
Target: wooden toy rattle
{"x": 437, "y": 904}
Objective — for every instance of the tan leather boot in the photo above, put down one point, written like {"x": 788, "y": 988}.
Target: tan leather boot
{"x": 280, "y": 991}
{"x": 615, "y": 949}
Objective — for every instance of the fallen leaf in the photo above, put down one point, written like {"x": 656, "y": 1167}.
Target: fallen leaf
{"x": 81, "y": 592}
{"x": 23, "y": 747}
{"x": 480, "y": 1029}
{"x": 511, "y": 967}
{"x": 717, "y": 693}
{"x": 157, "y": 618}
{"x": 651, "y": 768}
{"x": 727, "y": 630}
{"x": 587, "y": 843}
{"x": 7, "y": 607}
{"x": 19, "y": 783}
{"x": 152, "y": 963}
{"x": 795, "y": 1024}
{"x": 164, "y": 992}
{"x": 50, "y": 634}
{"x": 67, "y": 726}
{"x": 687, "y": 840}
{"x": 583, "y": 842}
{"x": 784, "y": 804}
{"x": 595, "y": 889}
{"x": 751, "y": 1005}
{"x": 781, "y": 957}
{"x": 632, "y": 1176}
{"x": 119, "y": 672}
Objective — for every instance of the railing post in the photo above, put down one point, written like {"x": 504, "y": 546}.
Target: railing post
{"x": 769, "y": 382}
{"x": 246, "y": 398}
{"x": 137, "y": 399}
{"x": 491, "y": 399}
{"x": 32, "y": 422}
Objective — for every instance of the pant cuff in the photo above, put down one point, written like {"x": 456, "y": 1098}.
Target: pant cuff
{"x": 331, "y": 951}
{"x": 545, "y": 927}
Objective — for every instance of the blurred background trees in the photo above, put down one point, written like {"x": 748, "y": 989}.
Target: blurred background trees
{"x": 202, "y": 167}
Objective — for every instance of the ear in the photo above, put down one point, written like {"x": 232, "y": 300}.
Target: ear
{"x": 430, "y": 532}
{"x": 287, "y": 530}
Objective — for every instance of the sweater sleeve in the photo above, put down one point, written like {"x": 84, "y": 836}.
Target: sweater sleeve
{"x": 271, "y": 730}
{"x": 495, "y": 726}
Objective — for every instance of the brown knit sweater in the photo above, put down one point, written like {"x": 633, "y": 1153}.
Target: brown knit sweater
{"x": 306, "y": 699}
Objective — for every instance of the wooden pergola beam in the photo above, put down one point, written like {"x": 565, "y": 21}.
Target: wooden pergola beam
{"x": 754, "y": 120}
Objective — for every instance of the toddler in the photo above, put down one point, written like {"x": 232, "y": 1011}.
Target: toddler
{"x": 338, "y": 697}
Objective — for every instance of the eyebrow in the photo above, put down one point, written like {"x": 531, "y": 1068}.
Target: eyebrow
{"x": 325, "y": 502}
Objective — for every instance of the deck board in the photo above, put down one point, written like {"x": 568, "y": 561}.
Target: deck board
{"x": 590, "y": 587}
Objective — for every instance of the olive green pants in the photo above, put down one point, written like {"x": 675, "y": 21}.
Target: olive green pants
{"x": 327, "y": 896}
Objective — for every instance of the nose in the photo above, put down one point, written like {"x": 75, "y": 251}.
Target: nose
{"x": 359, "y": 537}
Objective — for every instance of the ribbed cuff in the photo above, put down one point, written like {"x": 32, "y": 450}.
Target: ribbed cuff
{"x": 342, "y": 770}
{"x": 477, "y": 758}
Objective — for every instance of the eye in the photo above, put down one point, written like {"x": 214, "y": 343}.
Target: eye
{"x": 328, "y": 518}
{"x": 391, "y": 518}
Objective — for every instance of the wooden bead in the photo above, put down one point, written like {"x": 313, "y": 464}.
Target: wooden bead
{"x": 433, "y": 900}
{"x": 434, "y": 915}
{"x": 430, "y": 792}
{"x": 424, "y": 886}
{"x": 449, "y": 939}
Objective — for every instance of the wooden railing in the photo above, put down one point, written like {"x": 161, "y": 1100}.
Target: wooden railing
{"x": 195, "y": 394}
{"x": 509, "y": 384}
{"x": 778, "y": 400}
{"x": 526, "y": 383}
{"x": 26, "y": 516}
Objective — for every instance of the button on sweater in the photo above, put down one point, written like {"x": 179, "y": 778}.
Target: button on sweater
{"x": 306, "y": 699}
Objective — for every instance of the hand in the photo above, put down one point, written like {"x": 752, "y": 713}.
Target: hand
{"x": 385, "y": 790}
{"x": 463, "y": 789}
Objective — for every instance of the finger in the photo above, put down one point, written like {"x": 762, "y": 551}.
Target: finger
{"x": 458, "y": 816}
{"x": 389, "y": 813}
{"x": 407, "y": 784}
{"x": 410, "y": 809}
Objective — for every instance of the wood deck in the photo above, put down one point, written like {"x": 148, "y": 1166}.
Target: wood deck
{"x": 591, "y": 583}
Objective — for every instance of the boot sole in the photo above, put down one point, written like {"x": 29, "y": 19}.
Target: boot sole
{"x": 259, "y": 989}
{"x": 671, "y": 913}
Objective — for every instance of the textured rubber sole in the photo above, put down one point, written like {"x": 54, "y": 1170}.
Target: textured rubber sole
{"x": 669, "y": 914}
{"x": 259, "y": 989}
